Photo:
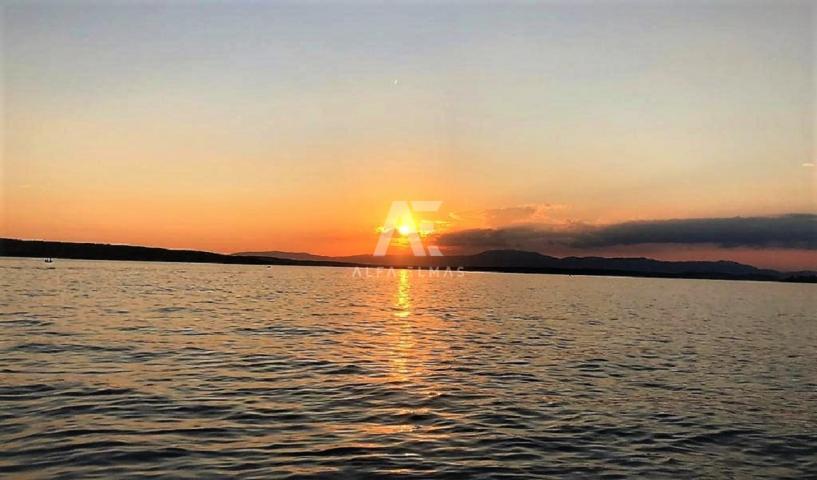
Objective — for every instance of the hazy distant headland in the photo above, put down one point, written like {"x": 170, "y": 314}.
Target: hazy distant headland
{"x": 98, "y": 251}
{"x": 512, "y": 261}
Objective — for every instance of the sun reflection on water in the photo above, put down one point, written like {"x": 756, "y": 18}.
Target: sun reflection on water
{"x": 403, "y": 302}
{"x": 403, "y": 344}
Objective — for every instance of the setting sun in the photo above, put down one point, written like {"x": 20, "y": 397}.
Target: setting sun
{"x": 407, "y": 225}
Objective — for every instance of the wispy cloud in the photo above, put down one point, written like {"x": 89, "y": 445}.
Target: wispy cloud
{"x": 530, "y": 213}
{"x": 791, "y": 231}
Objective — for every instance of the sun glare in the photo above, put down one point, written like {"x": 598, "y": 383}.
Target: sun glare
{"x": 406, "y": 226}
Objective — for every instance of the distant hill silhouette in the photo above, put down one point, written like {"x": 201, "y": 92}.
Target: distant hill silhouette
{"x": 98, "y": 251}
{"x": 533, "y": 262}
{"x": 492, "y": 260}
{"x": 288, "y": 255}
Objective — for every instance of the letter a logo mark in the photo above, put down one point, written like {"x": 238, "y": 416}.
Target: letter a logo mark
{"x": 399, "y": 219}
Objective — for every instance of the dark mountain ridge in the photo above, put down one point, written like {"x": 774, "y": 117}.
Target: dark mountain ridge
{"x": 493, "y": 260}
{"x": 98, "y": 251}
{"x": 524, "y": 261}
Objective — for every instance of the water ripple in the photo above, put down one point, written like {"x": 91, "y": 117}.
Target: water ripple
{"x": 187, "y": 371}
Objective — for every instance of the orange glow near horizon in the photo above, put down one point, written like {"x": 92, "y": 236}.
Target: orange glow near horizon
{"x": 241, "y": 222}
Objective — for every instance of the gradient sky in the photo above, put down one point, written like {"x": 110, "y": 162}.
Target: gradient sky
{"x": 261, "y": 126}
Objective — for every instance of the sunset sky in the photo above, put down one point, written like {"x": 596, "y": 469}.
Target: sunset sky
{"x": 546, "y": 126}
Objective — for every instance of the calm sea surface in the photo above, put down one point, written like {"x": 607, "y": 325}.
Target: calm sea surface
{"x": 127, "y": 369}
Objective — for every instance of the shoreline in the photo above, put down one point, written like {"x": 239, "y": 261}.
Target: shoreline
{"x": 14, "y": 248}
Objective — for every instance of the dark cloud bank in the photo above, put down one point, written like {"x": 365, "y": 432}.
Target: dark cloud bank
{"x": 791, "y": 231}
